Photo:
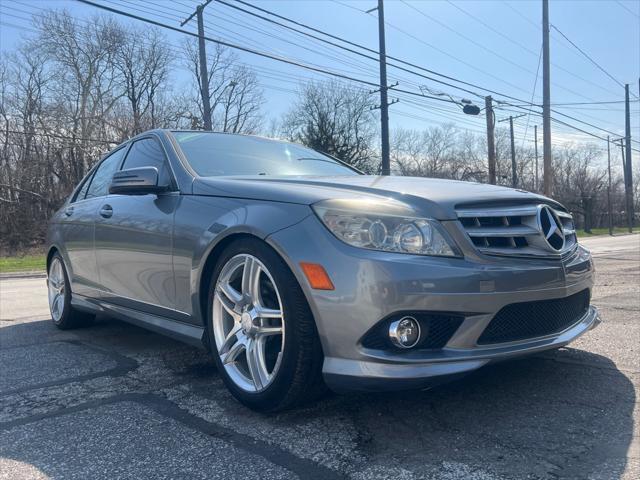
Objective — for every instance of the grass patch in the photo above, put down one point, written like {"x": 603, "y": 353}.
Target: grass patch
{"x": 605, "y": 231}
{"x": 26, "y": 263}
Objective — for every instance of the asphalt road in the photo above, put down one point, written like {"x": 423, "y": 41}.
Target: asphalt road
{"x": 115, "y": 401}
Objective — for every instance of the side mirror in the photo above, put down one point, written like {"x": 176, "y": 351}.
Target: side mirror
{"x": 136, "y": 181}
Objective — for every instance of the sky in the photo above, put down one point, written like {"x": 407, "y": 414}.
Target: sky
{"x": 494, "y": 45}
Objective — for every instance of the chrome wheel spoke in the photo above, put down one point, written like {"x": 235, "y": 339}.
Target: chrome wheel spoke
{"x": 268, "y": 331}
{"x": 263, "y": 312}
{"x": 230, "y": 293}
{"x": 250, "y": 278}
{"x": 226, "y": 296}
{"x": 233, "y": 351}
{"x": 231, "y": 340}
{"x": 256, "y": 363}
{"x": 56, "y": 305}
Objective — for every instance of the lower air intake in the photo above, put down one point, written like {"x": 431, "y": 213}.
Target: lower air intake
{"x": 521, "y": 321}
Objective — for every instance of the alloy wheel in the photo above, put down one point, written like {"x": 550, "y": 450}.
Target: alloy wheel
{"x": 248, "y": 323}
{"x": 56, "y": 287}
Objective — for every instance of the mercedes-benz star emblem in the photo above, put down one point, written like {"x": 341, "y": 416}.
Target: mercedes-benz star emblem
{"x": 551, "y": 228}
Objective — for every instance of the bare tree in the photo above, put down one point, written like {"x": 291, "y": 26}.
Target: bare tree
{"x": 335, "y": 119}
{"x": 72, "y": 89}
{"x": 86, "y": 80}
{"x": 579, "y": 182}
{"x": 442, "y": 152}
{"x": 143, "y": 61}
{"x": 235, "y": 95}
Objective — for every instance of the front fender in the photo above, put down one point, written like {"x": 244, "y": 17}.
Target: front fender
{"x": 202, "y": 223}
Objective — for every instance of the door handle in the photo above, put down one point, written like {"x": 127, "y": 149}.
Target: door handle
{"x": 68, "y": 211}
{"x": 106, "y": 211}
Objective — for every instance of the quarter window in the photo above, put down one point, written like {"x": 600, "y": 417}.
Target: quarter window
{"x": 148, "y": 153}
{"x": 82, "y": 192}
{"x": 104, "y": 174}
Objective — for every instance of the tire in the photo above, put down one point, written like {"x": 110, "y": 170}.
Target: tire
{"x": 289, "y": 369}
{"x": 64, "y": 316}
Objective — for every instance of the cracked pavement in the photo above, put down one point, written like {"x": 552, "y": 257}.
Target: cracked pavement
{"x": 115, "y": 401}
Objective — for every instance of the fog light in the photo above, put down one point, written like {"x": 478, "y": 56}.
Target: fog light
{"x": 405, "y": 333}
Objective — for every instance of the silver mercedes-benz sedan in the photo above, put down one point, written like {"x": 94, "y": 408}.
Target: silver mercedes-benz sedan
{"x": 298, "y": 272}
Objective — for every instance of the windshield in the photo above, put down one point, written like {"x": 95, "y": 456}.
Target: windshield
{"x": 219, "y": 154}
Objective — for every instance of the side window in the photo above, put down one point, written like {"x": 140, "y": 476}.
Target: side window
{"x": 82, "y": 191}
{"x": 148, "y": 153}
{"x": 102, "y": 178}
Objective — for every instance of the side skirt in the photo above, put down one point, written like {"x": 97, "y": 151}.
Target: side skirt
{"x": 191, "y": 334}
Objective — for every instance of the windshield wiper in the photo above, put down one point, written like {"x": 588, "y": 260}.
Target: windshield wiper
{"x": 316, "y": 159}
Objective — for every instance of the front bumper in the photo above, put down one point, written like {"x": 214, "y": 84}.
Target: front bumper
{"x": 350, "y": 375}
{"x": 371, "y": 286}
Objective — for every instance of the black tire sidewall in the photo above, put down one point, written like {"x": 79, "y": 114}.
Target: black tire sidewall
{"x": 290, "y": 293}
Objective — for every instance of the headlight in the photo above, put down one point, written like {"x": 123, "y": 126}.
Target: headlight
{"x": 388, "y": 226}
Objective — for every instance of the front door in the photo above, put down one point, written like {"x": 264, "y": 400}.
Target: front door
{"x": 78, "y": 226}
{"x": 134, "y": 239}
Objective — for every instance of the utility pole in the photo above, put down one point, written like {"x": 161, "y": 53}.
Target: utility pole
{"x": 546, "y": 101}
{"x": 628, "y": 177}
{"x": 384, "y": 103}
{"x": 204, "y": 72}
{"x": 514, "y": 171}
{"x": 535, "y": 142}
{"x": 491, "y": 142}
{"x": 514, "y": 166}
{"x": 621, "y": 140}
{"x": 609, "y": 186}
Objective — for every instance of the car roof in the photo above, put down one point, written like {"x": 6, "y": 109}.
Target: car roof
{"x": 249, "y": 135}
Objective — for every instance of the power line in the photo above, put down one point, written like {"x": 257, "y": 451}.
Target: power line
{"x": 587, "y": 103}
{"x": 137, "y": 9}
{"x": 591, "y": 134}
{"x": 251, "y": 50}
{"x": 627, "y": 9}
{"x": 524, "y": 47}
{"x": 288, "y": 77}
{"x": 363, "y": 47}
{"x": 443, "y": 52}
{"x": 349, "y": 49}
{"x": 227, "y": 44}
{"x": 423, "y": 105}
{"x": 587, "y": 56}
{"x": 533, "y": 93}
{"x": 486, "y": 25}
{"x": 359, "y": 45}
{"x": 526, "y": 19}
{"x": 461, "y": 35}
{"x": 301, "y": 65}
{"x": 348, "y": 61}
{"x": 315, "y": 37}
{"x": 500, "y": 79}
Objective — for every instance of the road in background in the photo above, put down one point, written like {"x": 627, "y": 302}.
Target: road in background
{"x": 115, "y": 401}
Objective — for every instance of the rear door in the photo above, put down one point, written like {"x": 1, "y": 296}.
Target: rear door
{"x": 78, "y": 225}
{"x": 134, "y": 239}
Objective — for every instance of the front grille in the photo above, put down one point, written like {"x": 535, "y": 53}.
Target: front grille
{"x": 436, "y": 329}
{"x": 515, "y": 230}
{"x": 520, "y": 321}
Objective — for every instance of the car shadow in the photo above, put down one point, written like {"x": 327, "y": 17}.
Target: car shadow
{"x": 562, "y": 414}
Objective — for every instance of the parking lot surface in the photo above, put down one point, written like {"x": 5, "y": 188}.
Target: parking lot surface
{"x": 115, "y": 401}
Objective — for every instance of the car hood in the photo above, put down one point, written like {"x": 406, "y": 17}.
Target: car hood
{"x": 436, "y": 198}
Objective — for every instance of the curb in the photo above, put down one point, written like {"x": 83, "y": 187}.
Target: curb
{"x": 14, "y": 275}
